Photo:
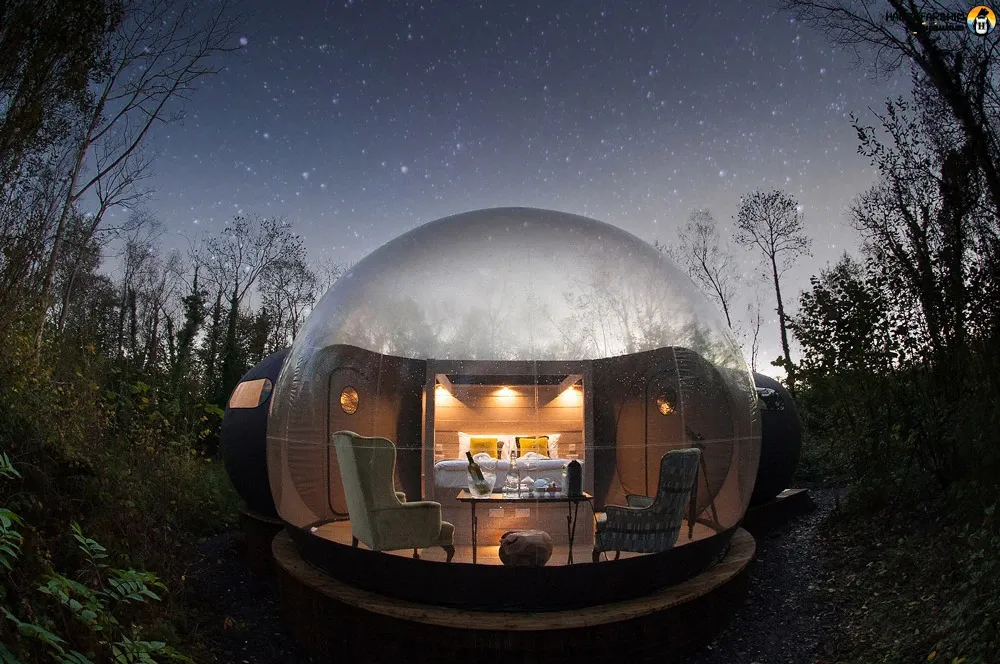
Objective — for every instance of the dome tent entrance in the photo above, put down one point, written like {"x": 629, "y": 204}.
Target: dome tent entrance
{"x": 515, "y": 324}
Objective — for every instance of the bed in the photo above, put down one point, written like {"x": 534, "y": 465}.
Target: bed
{"x": 452, "y": 473}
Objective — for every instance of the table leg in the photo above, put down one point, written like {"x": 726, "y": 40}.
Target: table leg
{"x": 574, "y": 510}
{"x": 475, "y": 527}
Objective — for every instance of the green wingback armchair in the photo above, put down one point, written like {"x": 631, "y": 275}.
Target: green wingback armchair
{"x": 380, "y": 516}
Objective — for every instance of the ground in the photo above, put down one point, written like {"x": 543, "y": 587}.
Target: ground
{"x": 790, "y": 614}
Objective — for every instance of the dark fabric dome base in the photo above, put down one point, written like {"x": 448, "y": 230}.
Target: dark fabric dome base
{"x": 243, "y": 442}
{"x": 780, "y": 444}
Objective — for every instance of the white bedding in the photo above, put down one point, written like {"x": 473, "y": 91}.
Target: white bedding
{"x": 452, "y": 473}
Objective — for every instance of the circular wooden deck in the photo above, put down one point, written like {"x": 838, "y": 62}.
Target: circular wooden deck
{"x": 258, "y": 532}
{"x": 333, "y": 620}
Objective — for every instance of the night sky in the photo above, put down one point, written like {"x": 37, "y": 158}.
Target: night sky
{"x": 360, "y": 121}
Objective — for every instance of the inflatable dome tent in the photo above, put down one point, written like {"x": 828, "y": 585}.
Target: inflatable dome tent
{"x": 780, "y": 439}
{"x": 243, "y": 440}
{"x": 514, "y": 324}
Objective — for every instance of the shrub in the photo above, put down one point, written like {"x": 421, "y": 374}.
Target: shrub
{"x": 72, "y": 620}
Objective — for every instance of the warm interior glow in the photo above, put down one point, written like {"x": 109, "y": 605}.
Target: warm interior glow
{"x": 441, "y": 394}
{"x": 250, "y": 394}
{"x": 664, "y": 406}
{"x": 571, "y": 396}
{"x": 505, "y": 392}
{"x": 349, "y": 400}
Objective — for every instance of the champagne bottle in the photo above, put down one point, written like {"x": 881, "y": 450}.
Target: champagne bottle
{"x": 474, "y": 469}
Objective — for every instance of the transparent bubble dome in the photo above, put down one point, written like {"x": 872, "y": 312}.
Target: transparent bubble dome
{"x": 547, "y": 295}
{"x": 517, "y": 284}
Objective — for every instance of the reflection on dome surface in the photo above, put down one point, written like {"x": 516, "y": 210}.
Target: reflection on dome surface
{"x": 517, "y": 284}
{"x": 519, "y": 325}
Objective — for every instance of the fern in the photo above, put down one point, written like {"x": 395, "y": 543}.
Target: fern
{"x": 73, "y": 657}
{"x": 129, "y": 585}
{"x": 36, "y": 632}
{"x": 95, "y": 553}
{"x": 85, "y": 604}
{"x": 129, "y": 651}
{"x": 7, "y": 657}
{"x": 10, "y": 538}
{"x": 91, "y": 604}
{"x": 7, "y": 470}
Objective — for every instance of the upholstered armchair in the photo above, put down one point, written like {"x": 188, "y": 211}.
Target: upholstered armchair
{"x": 380, "y": 516}
{"x": 650, "y": 524}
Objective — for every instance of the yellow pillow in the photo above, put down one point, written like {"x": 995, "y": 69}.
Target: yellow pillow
{"x": 539, "y": 445}
{"x": 489, "y": 445}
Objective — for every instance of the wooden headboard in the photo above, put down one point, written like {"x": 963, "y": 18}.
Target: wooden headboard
{"x": 518, "y": 410}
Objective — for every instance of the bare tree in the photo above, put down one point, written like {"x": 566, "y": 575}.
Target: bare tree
{"x": 772, "y": 222}
{"x": 327, "y": 272}
{"x": 960, "y": 69}
{"x": 288, "y": 290}
{"x": 135, "y": 260}
{"x": 245, "y": 249}
{"x": 708, "y": 262}
{"x": 239, "y": 256}
{"x": 927, "y": 224}
{"x": 156, "y": 56}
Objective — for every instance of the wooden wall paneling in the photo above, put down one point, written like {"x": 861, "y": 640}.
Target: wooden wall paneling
{"x": 427, "y": 477}
{"x": 589, "y": 440}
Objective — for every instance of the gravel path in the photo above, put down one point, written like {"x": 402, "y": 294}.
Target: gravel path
{"x": 787, "y": 618}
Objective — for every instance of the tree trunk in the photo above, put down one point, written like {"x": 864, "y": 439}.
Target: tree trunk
{"x": 151, "y": 354}
{"x": 781, "y": 324}
{"x": 122, "y": 308}
{"x": 171, "y": 347}
{"x": 64, "y": 309}
{"x": 133, "y": 326}
{"x": 229, "y": 367}
{"x": 67, "y": 205}
{"x": 50, "y": 265}
{"x": 935, "y": 64}
{"x": 213, "y": 343}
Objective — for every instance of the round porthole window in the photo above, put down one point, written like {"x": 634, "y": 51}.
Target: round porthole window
{"x": 664, "y": 406}
{"x": 349, "y": 400}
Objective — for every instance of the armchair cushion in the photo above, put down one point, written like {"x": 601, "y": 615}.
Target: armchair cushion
{"x": 413, "y": 525}
{"x": 635, "y": 500}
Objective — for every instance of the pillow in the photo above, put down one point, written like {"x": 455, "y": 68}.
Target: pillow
{"x": 485, "y": 444}
{"x": 506, "y": 443}
{"x": 549, "y": 448}
{"x": 539, "y": 445}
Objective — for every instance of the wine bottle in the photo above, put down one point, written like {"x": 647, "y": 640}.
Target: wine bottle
{"x": 479, "y": 485}
{"x": 474, "y": 469}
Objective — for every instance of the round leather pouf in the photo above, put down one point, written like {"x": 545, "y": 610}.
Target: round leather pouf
{"x": 525, "y": 547}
